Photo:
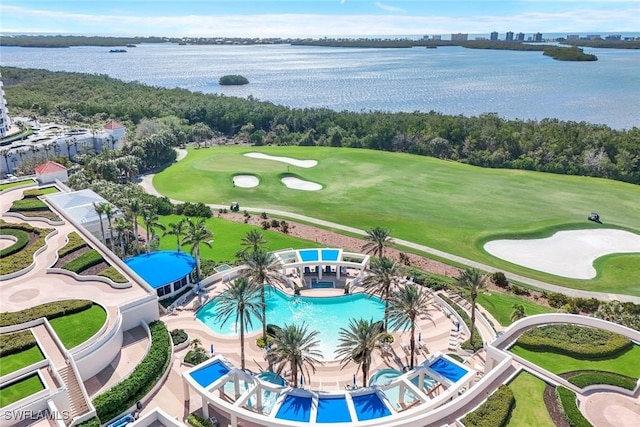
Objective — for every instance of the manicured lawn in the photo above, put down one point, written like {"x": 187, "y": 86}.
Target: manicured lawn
{"x": 628, "y": 363}
{"x": 49, "y": 190}
{"x": 447, "y": 205}
{"x": 530, "y": 409}
{"x": 501, "y": 306}
{"x": 16, "y": 361}
{"x": 20, "y": 390}
{"x": 8, "y": 185}
{"x": 76, "y": 328}
{"x": 227, "y": 236}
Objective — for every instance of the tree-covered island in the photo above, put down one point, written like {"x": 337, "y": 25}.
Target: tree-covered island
{"x": 233, "y": 80}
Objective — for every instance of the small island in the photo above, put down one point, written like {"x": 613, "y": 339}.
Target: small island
{"x": 233, "y": 80}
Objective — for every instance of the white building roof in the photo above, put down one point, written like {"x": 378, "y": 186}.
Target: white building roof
{"x": 78, "y": 205}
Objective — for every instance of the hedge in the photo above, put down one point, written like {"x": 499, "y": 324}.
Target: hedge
{"x": 120, "y": 397}
{"x": 50, "y": 310}
{"x": 570, "y": 409}
{"x": 494, "y": 412}
{"x": 178, "y": 336}
{"x": 198, "y": 421}
{"x": 580, "y": 342}
{"x": 32, "y": 193}
{"x": 75, "y": 242}
{"x": 113, "y": 274}
{"x": 84, "y": 261}
{"x": 600, "y": 377}
{"x": 91, "y": 422}
{"x": 16, "y": 342}
{"x": 23, "y": 239}
{"x": 23, "y": 258}
{"x": 196, "y": 356}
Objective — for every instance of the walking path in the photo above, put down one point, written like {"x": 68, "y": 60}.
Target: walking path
{"x": 146, "y": 183}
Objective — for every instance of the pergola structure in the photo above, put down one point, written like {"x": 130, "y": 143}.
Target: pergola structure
{"x": 323, "y": 262}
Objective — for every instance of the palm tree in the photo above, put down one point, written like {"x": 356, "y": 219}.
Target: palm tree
{"x": 377, "y": 239}
{"x": 383, "y": 272}
{"x": 134, "y": 208}
{"x": 405, "y": 306}
{"x": 177, "y": 229}
{"x": 197, "y": 234}
{"x": 518, "y": 312}
{"x": 473, "y": 281}
{"x": 295, "y": 346}
{"x": 240, "y": 299}
{"x": 99, "y": 208}
{"x": 108, "y": 210}
{"x": 254, "y": 241}
{"x": 151, "y": 222}
{"x": 262, "y": 268}
{"x": 122, "y": 227}
{"x": 357, "y": 343}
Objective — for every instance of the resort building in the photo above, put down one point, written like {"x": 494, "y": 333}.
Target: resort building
{"x": 459, "y": 37}
{"x": 50, "y": 172}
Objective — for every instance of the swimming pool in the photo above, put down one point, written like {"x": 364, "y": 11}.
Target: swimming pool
{"x": 311, "y": 255}
{"x": 209, "y": 374}
{"x": 448, "y": 369}
{"x": 385, "y": 376}
{"x": 321, "y": 285}
{"x": 325, "y": 315}
{"x": 333, "y": 410}
{"x": 295, "y": 408}
{"x": 271, "y": 377}
{"x": 369, "y": 406}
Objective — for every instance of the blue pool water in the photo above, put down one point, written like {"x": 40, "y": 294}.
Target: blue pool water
{"x": 449, "y": 370}
{"x": 385, "y": 376}
{"x": 325, "y": 315}
{"x": 209, "y": 374}
{"x": 309, "y": 255}
{"x": 330, "y": 254}
{"x": 321, "y": 285}
{"x": 369, "y": 407}
{"x": 333, "y": 410}
{"x": 162, "y": 267}
{"x": 271, "y": 377}
{"x": 295, "y": 408}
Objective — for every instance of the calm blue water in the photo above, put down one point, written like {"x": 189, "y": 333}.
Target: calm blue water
{"x": 209, "y": 374}
{"x": 333, "y": 410}
{"x": 450, "y": 80}
{"x": 295, "y": 408}
{"x": 325, "y": 315}
{"x": 369, "y": 406}
{"x": 449, "y": 370}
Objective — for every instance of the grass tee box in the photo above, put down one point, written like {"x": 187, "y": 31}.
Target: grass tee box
{"x": 446, "y": 205}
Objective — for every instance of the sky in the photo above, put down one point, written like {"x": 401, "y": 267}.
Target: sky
{"x": 315, "y": 18}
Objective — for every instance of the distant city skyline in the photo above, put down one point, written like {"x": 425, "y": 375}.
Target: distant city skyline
{"x": 316, "y": 18}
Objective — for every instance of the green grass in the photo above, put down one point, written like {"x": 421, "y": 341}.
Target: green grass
{"x": 530, "y": 409}
{"x": 49, "y": 190}
{"x": 86, "y": 260}
{"x": 627, "y": 363}
{"x": 227, "y": 236}
{"x": 15, "y": 361}
{"x": 74, "y": 329}
{"x": 8, "y": 185}
{"x": 447, "y": 205}
{"x": 20, "y": 390}
{"x": 585, "y": 379}
{"x": 500, "y": 305}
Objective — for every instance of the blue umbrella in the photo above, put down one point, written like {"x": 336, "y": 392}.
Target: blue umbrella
{"x": 354, "y": 379}
{"x": 301, "y": 380}
{"x": 212, "y": 349}
{"x": 419, "y": 336}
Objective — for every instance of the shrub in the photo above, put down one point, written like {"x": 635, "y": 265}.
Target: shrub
{"x": 23, "y": 239}
{"x": 75, "y": 242}
{"x": 179, "y": 336}
{"x": 50, "y": 310}
{"x": 198, "y": 421}
{"x": 16, "y": 342}
{"x": 265, "y": 225}
{"x": 557, "y": 300}
{"x": 576, "y": 341}
{"x": 494, "y": 412}
{"x": 261, "y": 342}
{"x": 275, "y": 223}
{"x": 91, "y": 422}
{"x": 113, "y": 274}
{"x": 570, "y": 409}
{"x": 24, "y": 257}
{"x": 264, "y": 215}
{"x": 587, "y": 305}
{"x": 124, "y": 394}
{"x": 599, "y": 377}
{"x": 284, "y": 227}
{"x": 84, "y": 261}
{"x": 519, "y": 290}
{"x": 32, "y": 193}
{"x": 196, "y": 356}
{"x": 499, "y": 279}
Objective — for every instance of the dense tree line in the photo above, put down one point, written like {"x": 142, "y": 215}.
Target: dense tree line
{"x": 548, "y": 145}
{"x": 68, "y": 41}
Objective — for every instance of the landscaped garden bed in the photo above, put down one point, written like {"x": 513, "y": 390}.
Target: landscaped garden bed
{"x": 494, "y": 412}
{"x": 18, "y": 350}
{"x": 20, "y": 255}
{"x": 77, "y": 256}
{"x": 31, "y": 206}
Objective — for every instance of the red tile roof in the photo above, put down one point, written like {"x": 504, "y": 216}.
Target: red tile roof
{"x": 49, "y": 167}
{"x": 112, "y": 125}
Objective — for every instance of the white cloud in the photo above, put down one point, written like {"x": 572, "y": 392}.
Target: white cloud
{"x": 388, "y": 8}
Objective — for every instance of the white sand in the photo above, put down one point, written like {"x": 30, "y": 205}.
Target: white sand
{"x": 289, "y": 160}
{"x": 566, "y": 253}
{"x": 299, "y": 184}
{"x": 245, "y": 181}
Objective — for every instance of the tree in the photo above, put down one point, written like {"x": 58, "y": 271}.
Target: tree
{"x": 197, "y": 234}
{"x": 134, "y": 208}
{"x": 382, "y": 275}
{"x": 357, "y": 343}
{"x": 177, "y": 229}
{"x": 123, "y": 229}
{"x": 99, "y": 208}
{"x": 108, "y": 210}
{"x": 405, "y": 306}
{"x": 254, "y": 241}
{"x": 472, "y": 280}
{"x": 262, "y": 268}
{"x": 240, "y": 299}
{"x": 296, "y": 347}
{"x": 377, "y": 239}
{"x": 150, "y": 218}
{"x": 518, "y": 312}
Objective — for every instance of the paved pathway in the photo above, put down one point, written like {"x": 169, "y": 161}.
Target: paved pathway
{"x": 146, "y": 183}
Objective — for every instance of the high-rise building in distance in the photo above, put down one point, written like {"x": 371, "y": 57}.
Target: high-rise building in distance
{"x": 459, "y": 37}
{"x": 509, "y": 36}
{"x": 494, "y": 35}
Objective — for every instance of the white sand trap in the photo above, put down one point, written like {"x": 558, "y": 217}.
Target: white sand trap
{"x": 300, "y": 184}
{"x": 566, "y": 253}
{"x": 245, "y": 181}
{"x": 289, "y": 160}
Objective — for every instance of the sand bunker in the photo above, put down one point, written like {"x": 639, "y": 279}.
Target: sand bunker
{"x": 566, "y": 253}
{"x": 289, "y": 160}
{"x": 245, "y": 181}
{"x": 300, "y": 184}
